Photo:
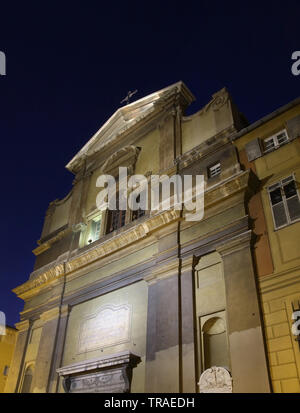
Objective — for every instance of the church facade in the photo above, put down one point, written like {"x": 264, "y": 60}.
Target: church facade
{"x": 147, "y": 301}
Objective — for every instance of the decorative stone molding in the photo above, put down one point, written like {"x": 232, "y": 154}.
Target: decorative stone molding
{"x": 187, "y": 264}
{"x": 79, "y": 227}
{"x": 237, "y": 184}
{"x": 215, "y": 380}
{"x": 50, "y": 314}
{"x": 163, "y": 271}
{"x": 130, "y": 118}
{"x": 26, "y": 290}
{"x": 125, "y": 157}
{"x": 122, "y": 240}
{"x": 23, "y": 325}
{"x": 47, "y": 244}
{"x": 108, "y": 374}
{"x": 206, "y": 148}
{"x": 236, "y": 243}
{"x": 219, "y": 99}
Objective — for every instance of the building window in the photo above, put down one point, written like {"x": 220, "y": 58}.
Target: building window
{"x": 6, "y": 370}
{"x": 275, "y": 141}
{"x": 94, "y": 229}
{"x": 214, "y": 170}
{"x": 139, "y": 212}
{"x": 115, "y": 218}
{"x": 285, "y": 203}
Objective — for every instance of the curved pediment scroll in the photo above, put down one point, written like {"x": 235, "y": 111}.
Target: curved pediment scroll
{"x": 126, "y": 157}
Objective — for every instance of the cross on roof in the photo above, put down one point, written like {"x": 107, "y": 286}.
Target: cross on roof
{"x": 127, "y": 98}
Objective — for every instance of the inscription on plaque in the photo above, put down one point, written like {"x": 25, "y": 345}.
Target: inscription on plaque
{"x": 110, "y": 326}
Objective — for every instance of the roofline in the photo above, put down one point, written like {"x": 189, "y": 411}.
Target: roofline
{"x": 180, "y": 85}
{"x": 266, "y": 118}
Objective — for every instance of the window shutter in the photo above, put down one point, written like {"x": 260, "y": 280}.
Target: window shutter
{"x": 253, "y": 150}
{"x": 293, "y": 127}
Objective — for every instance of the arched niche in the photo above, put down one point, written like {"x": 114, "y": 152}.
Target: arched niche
{"x": 27, "y": 379}
{"x": 215, "y": 343}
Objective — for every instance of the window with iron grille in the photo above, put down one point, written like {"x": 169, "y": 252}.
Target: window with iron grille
{"x": 116, "y": 218}
{"x": 285, "y": 203}
{"x": 139, "y": 212}
{"x": 214, "y": 170}
{"x": 275, "y": 141}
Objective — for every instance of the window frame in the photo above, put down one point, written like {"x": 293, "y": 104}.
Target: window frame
{"x": 276, "y": 144}
{"x": 280, "y": 184}
{"x": 88, "y": 232}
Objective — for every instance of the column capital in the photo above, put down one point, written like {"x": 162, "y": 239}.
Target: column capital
{"x": 235, "y": 243}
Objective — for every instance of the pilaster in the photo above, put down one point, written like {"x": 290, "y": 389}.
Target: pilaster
{"x": 43, "y": 363}
{"x": 246, "y": 344}
{"x": 16, "y": 367}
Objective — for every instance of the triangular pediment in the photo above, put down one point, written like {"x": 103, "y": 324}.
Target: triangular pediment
{"x": 129, "y": 116}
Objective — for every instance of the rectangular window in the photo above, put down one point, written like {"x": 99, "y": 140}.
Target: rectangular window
{"x": 285, "y": 203}
{"x": 275, "y": 141}
{"x": 116, "y": 218}
{"x": 6, "y": 370}
{"x": 94, "y": 229}
{"x": 214, "y": 170}
{"x": 139, "y": 212}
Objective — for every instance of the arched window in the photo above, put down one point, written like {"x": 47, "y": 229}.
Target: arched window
{"x": 26, "y": 386}
{"x": 215, "y": 345}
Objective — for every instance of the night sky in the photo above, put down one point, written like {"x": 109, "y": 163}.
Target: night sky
{"x": 69, "y": 65}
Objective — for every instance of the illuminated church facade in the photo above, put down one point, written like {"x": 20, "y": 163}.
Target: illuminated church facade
{"x": 147, "y": 301}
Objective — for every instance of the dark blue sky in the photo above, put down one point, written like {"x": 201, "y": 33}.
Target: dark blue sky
{"x": 70, "y": 63}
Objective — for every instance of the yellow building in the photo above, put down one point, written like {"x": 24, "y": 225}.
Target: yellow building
{"x": 7, "y": 345}
{"x": 271, "y": 148}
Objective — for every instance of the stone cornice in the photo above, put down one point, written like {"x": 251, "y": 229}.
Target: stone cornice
{"x": 236, "y": 243}
{"x": 163, "y": 271}
{"x": 23, "y": 325}
{"x": 108, "y": 247}
{"x": 114, "y": 360}
{"x": 47, "y": 244}
{"x": 237, "y": 184}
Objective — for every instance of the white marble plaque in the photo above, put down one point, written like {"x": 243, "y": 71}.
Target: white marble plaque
{"x": 215, "y": 380}
{"x": 110, "y": 326}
